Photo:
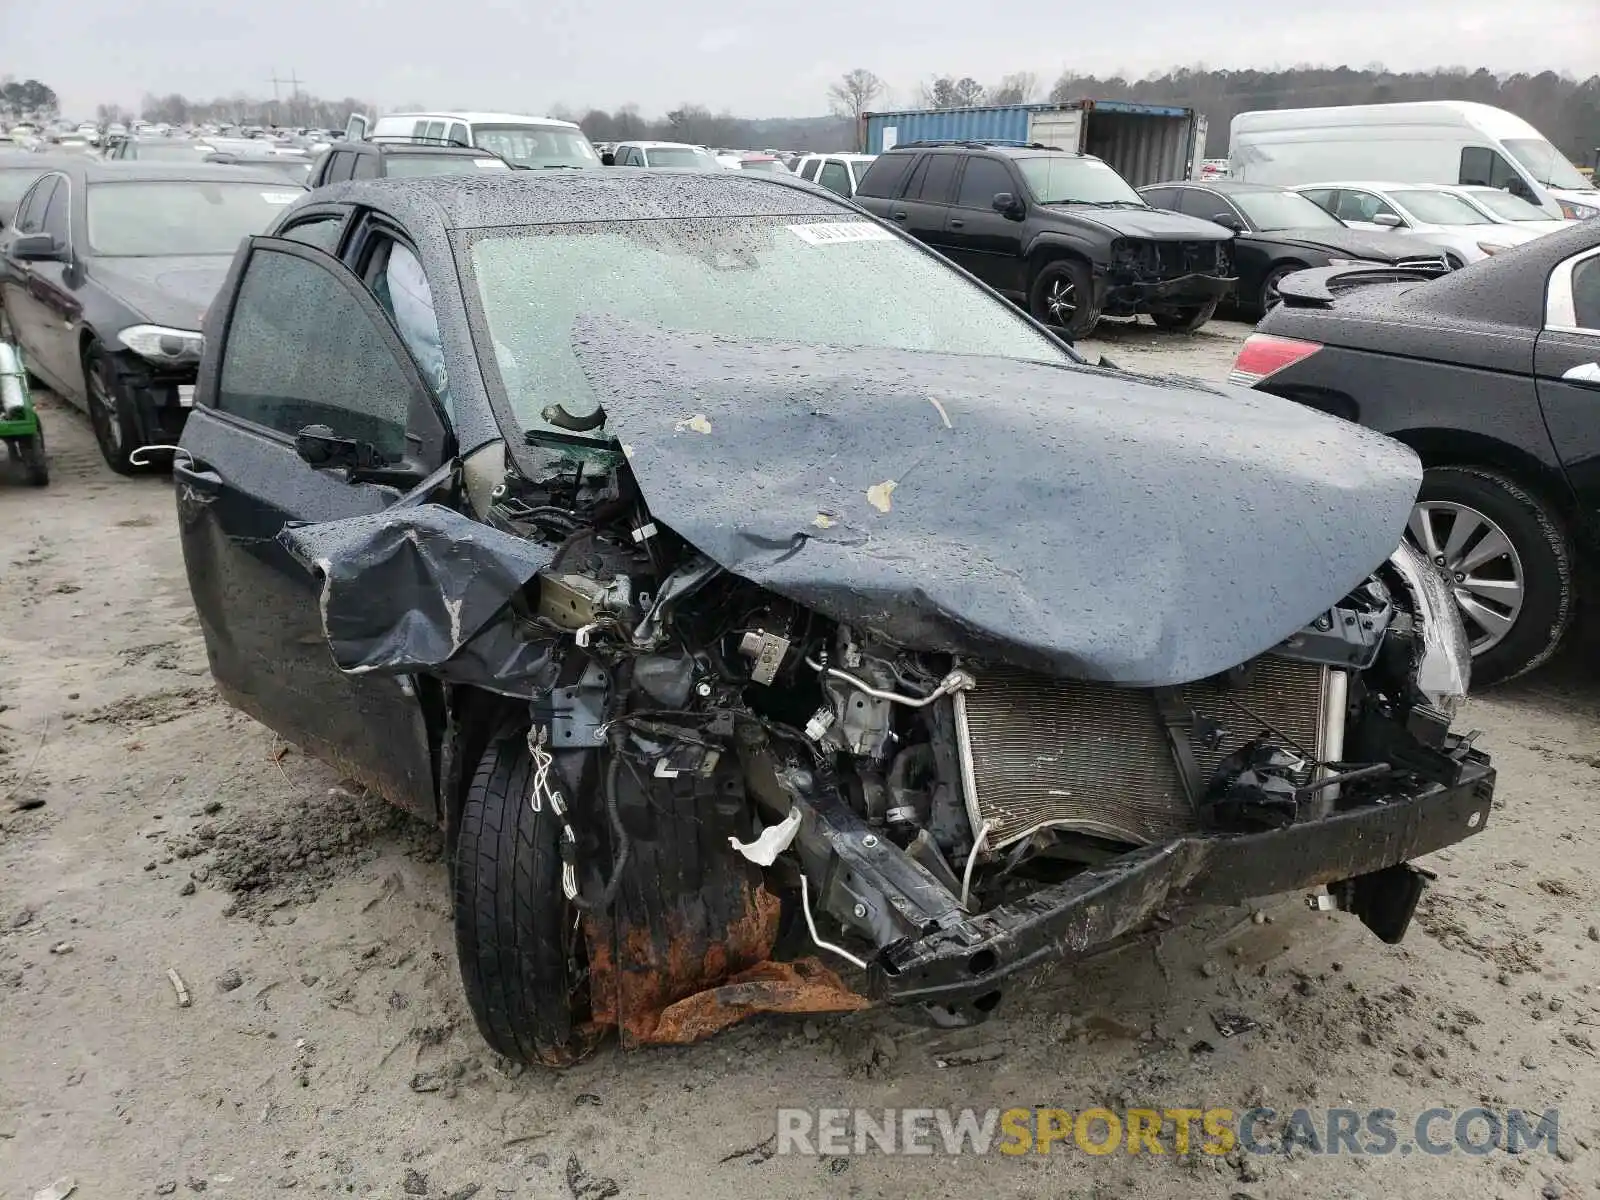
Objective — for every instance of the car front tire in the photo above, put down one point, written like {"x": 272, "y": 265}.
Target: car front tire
{"x": 1510, "y": 562}
{"x": 1185, "y": 320}
{"x": 110, "y": 411}
{"x": 515, "y": 937}
{"x": 1063, "y": 296}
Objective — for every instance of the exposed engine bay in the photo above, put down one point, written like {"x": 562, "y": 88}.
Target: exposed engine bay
{"x": 893, "y": 798}
{"x": 845, "y": 712}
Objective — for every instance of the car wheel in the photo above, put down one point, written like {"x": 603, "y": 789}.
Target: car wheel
{"x": 1185, "y": 320}
{"x": 1063, "y": 296}
{"x": 1509, "y": 560}
{"x": 1270, "y": 297}
{"x": 110, "y": 412}
{"x": 35, "y": 467}
{"x": 516, "y": 939}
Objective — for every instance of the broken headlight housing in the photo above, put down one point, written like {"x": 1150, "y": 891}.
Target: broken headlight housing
{"x": 162, "y": 346}
{"x": 1443, "y": 664}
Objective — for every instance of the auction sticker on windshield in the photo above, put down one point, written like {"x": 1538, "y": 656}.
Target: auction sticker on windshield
{"x": 281, "y": 197}
{"x": 826, "y": 233}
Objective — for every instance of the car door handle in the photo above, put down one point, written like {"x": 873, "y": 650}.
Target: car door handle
{"x": 899, "y": 214}
{"x": 1584, "y": 373}
{"x": 957, "y": 224}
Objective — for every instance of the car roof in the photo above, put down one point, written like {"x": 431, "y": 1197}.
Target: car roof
{"x": 483, "y": 118}
{"x": 133, "y": 170}
{"x": 430, "y": 148}
{"x": 1371, "y": 185}
{"x": 848, "y": 157}
{"x": 663, "y": 145}
{"x": 505, "y": 198}
{"x": 1219, "y": 185}
{"x": 1029, "y": 151}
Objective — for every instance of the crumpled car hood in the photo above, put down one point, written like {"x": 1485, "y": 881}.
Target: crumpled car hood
{"x": 1074, "y": 520}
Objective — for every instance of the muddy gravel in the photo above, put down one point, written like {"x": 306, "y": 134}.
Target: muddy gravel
{"x": 151, "y": 838}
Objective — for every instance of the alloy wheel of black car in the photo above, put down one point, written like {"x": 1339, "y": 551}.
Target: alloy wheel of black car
{"x": 1270, "y": 297}
{"x": 110, "y": 413}
{"x": 1062, "y": 296}
{"x": 1509, "y": 562}
{"x": 1185, "y": 320}
{"x": 516, "y": 939}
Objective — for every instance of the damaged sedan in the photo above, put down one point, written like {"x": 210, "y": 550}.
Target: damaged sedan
{"x": 775, "y": 620}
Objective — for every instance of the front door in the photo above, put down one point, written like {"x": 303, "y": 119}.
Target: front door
{"x": 1567, "y": 369}
{"x": 985, "y": 242}
{"x": 55, "y": 289}
{"x": 303, "y": 343}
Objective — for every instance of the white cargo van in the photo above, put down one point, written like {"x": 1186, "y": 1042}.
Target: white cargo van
{"x": 531, "y": 142}
{"x": 1433, "y": 141}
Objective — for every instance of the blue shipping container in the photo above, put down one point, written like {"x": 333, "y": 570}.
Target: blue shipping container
{"x": 1145, "y": 143}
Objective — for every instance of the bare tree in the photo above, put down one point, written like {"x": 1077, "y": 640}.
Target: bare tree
{"x": 948, "y": 92}
{"x": 852, "y": 96}
{"x": 1019, "y": 87}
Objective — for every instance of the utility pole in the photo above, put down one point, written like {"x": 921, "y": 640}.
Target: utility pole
{"x": 293, "y": 81}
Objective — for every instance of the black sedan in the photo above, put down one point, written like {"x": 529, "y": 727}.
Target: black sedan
{"x": 1280, "y": 232}
{"x": 657, "y": 585}
{"x": 105, "y": 276}
{"x": 1492, "y": 374}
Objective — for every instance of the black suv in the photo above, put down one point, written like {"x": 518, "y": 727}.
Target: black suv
{"x": 1063, "y": 233}
{"x": 402, "y": 160}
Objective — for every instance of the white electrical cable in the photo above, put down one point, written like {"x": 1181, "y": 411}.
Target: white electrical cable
{"x": 811, "y": 924}
{"x": 972, "y": 860}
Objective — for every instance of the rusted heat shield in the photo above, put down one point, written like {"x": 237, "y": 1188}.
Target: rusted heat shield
{"x": 683, "y": 973}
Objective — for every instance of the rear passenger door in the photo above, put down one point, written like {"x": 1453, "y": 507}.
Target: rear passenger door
{"x": 301, "y": 342}
{"x": 1567, "y": 371}
{"x": 835, "y": 176}
{"x": 925, "y": 204}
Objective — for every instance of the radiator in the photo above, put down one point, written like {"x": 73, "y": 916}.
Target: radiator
{"x": 1095, "y": 759}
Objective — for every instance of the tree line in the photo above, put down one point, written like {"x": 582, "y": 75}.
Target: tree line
{"x": 1565, "y": 110}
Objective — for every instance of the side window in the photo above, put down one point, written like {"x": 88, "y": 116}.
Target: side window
{"x": 30, "y": 213}
{"x": 435, "y": 131}
{"x": 56, "y": 222}
{"x": 984, "y": 179}
{"x": 808, "y": 169}
{"x": 321, "y": 232}
{"x": 835, "y": 178}
{"x": 339, "y": 165}
{"x": 1481, "y": 165}
{"x": 885, "y": 175}
{"x": 300, "y": 351}
{"x": 366, "y": 166}
{"x": 419, "y": 130}
{"x": 938, "y": 181}
{"x": 1166, "y": 198}
{"x": 458, "y": 135}
{"x": 1360, "y": 206}
{"x": 1324, "y": 199}
{"x": 1586, "y": 293}
{"x": 398, "y": 281}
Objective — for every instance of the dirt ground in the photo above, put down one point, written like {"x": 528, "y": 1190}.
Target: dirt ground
{"x": 327, "y": 1048}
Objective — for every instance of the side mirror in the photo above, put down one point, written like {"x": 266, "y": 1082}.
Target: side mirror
{"x": 1008, "y": 205}
{"x": 321, "y": 448}
{"x": 608, "y": 159}
{"x": 1387, "y": 220}
{"x": 37, "y": 247}
{"x": 1228, "y": 220}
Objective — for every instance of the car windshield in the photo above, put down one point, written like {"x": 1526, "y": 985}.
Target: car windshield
{"x": 14, "y": 181}
{"x": 764, "y": 164}
{"x": 1547, "y": 164}
{"x": 536, "y": 146}
{"x": 155, "y": 219}
{"x": 843, "y": 282}
{"x": 1440, "y": 208}
{"x": 680, "y": 156}
{"x": 1508, "y": 207}
{"x": 1064, "y": 179}
{"x": 415, "y": 166}
{"x": 1283, "y": 210}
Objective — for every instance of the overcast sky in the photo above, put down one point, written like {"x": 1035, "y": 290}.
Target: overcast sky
{"x": 756, "y": 58}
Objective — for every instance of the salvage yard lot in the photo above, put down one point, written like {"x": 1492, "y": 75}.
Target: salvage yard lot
{"x": 327, "y": 1047}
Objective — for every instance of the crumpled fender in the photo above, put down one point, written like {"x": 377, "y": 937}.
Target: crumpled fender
{"x": 1068, "y": 519}
{"x": 423, "y": 588}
